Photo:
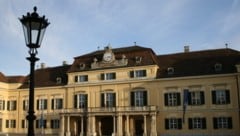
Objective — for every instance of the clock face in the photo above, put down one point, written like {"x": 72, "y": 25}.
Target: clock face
{"x": 107, "y": 56}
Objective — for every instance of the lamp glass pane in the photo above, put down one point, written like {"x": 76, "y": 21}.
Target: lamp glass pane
{"x": 42, "y": 31}
{"x": 26, "y": 31}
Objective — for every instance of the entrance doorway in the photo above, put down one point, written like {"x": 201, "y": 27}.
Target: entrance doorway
{"x": 107, "y": 126}
{"x": 139, "y": 127}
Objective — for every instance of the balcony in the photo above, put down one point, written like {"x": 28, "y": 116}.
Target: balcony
{"x": 111, "y": 110}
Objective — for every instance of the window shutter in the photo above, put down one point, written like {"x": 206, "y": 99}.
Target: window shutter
{"x": 229, "y": 122}
{"x": 45, "y": 123}
{"x": 145, "y": 98}
{"x": 190, "y": 125}
{"x": 102, "y": 76}
{"x": 166, "y": 123}
{"x": 8, "y": 105}
{"x": 86, "y": 101}
{"x": 179, "y": 123}
{"x": 132, "y": 99}
{"x": 75, "y": 101}
{"x": 227, "y": 96}
{"x": 24, "y": 101}
{"x": 114, "y": 99}
{"x": 37, "y": 104}
{"x": 144, "y": 73}
{"x": 189, "y": 98}
{"x": 7, "y": 123}
{"x": 3, "y": 104}
{"x": 204, "y": 123}
{"x": 45, "y": 104}
{"x": 23, "y": 123}
{"x": 76, "y": 79}
{"x": 131, "y": 74}
{"x": 178, "y": 99}
{"x": 52, "y": 104}
{"x": 214, "y": 97}
{"x": 14, "y": 105}
{"x": 60, "y": 103}
{"x": 102, "y": 100}
{"x": 202, "y": 97}
{"x": 215, "y": 125}
{"x": 37, "y": 123}
{"x": 51, "y": 123}
{"x": 114, "y": 75}
{"x": 166, "y": 99}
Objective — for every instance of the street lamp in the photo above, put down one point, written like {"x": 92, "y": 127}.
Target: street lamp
{"x": 34, "y": 27}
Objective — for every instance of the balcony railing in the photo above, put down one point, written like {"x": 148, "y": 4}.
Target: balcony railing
{"x": 123, "y": 109}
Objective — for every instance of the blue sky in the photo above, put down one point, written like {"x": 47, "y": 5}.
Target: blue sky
{"x": 81, "y": 26}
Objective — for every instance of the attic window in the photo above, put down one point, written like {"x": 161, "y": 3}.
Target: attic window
{"x": 218, "y": 67}
{"x": 170, "y": 70}
{"x": 138, "y": 59}
{"x": 58, "y": 80}
{"x": 82, "y": 66}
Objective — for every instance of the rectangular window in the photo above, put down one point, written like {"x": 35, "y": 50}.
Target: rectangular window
{"x": 57, "y": 103}
{"x": 41, "y": 123}
{"x": 173, "y": 123}
{"x": 139, "y": 98}
{"x": 108, "y": 99}
{"x": 55, "y": 124}
{"x": 172, "y": 99}
{"x": 197, "y": 123}
{"x": 222, "y": 123}
{"x": 41, "y": 104}
{"x": 2, "y": 104}
{"x": 25, "y": 105}
{"x": 138, "y": 73}
{"x": 108, "y": 76}
{"x": 11, "y": 105}
{"x": 10, "y": 123}
{"x": 221, "y": 97}
{"x": 81, "y": 78}
{"x": 80, "y": 101}
{"x": 196, "y": 98}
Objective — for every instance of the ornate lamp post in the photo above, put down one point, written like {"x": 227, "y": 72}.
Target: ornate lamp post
{"x": 34, "y": 27}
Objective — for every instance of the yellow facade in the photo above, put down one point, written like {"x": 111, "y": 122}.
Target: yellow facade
{"x": 117, "y": 106}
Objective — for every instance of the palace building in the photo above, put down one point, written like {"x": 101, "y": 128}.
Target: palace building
{"x": 129, "y": 91}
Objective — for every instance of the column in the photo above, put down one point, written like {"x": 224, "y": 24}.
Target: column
{"x": 88, "y": 126}
{"x": 82, "y": 128}
{"x": 153, "y": 126}
{"x": 68, "y": 133}
{"x": 127, "y": 126}
{"x": 145, "y": 125}
{"x": 119, "y": 126}
{"x": 94, "y": 126}
{"x": 114, "y": 126}
{"x": 62, "y": 126}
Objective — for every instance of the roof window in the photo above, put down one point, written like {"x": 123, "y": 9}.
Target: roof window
{"x": 170, "y": 70}
{"x": 218, "y": 67}
{"x": 138, "y": 59}
{"x": 82, "y": 66}
{"x": 58, "y": 80}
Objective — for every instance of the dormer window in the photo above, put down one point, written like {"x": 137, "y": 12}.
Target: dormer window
{"x": 170, "y": 70}
{"x": 218, "y": 67}
{"x": 138, "y": 59}
{"x": 81, "y": 66}
{"x": 58, "y": 80}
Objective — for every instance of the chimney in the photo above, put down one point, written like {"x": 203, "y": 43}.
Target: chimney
{"x": 186, "y": 48}
{"x": 64, "y": 63}
{"x": 43, "y": 65}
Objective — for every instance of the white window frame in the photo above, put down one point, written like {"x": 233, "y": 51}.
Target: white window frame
{"x": 172, "y": 99}
{"x": 221, "y": 97}
{"x": 196, "y": 98}
{"x": 81, "y": 101}
{"x": 222, "y": 122}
